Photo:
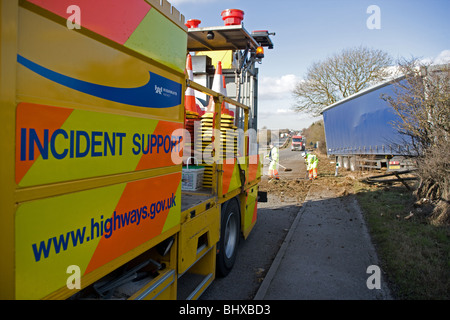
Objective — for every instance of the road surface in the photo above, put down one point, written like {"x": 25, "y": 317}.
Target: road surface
{"x": 256, "y": 253}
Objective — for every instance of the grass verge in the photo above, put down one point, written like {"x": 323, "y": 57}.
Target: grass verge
{"x": 415, "y": 254}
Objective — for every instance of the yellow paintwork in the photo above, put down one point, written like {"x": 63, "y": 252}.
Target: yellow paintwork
{"x": 224, "y": 56}
{"x": 55, "y": 196}
{"x": 8, "y": 51}
{"x": 203, "y": 229}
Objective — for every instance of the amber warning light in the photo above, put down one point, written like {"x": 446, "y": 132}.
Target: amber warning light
{"x": 260, "y": 52}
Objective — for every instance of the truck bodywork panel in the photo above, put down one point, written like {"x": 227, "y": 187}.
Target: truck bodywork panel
{"x": 363, "y": 124}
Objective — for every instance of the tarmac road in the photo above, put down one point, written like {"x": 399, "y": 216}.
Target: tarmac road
{"x": 315, "y": 250}
{"x": 255, "y": 255}
{"x": 257, "y": 252}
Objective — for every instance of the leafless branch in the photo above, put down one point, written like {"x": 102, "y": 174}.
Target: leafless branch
{"x": 340, "y": 76}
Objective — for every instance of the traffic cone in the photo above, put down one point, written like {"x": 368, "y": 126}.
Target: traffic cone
{"x": 190, "y": 106}
{"x": 189, "y": 99}
{"x": 200, "y": 107}
{"x": 217, "y": 86}
{"x": 225, "y": 107}
{"x": 226, "y": 110}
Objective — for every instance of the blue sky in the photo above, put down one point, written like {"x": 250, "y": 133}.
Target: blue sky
{"x": 311, "y": 30}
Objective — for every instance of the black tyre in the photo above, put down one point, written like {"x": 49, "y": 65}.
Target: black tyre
{"x": 229, "y": 237}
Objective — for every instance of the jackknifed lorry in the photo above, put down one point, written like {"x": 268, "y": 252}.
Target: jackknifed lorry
{"x": 105, "y": 193}
{"x": 360, "y": 131}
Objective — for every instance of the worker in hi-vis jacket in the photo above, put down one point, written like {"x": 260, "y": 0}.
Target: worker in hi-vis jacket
{"x": 274, "y": 157}
{"x": 311, "y": 164}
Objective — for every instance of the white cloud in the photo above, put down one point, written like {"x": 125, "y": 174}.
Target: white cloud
{"x": 284, "y": 118}
{"x": 271, "y": 88}
{"x": 443, "y": 57}
{"x": 265, "y": 112}
{"x": 275, "y": 101}
{"x": 284, "y": 111}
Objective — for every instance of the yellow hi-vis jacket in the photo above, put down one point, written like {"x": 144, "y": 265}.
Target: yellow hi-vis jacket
{"x": 311, "y": 161}
{"x": 274, "y": 157}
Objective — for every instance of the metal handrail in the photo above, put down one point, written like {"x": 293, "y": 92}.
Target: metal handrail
{"x": 214, "y": 94}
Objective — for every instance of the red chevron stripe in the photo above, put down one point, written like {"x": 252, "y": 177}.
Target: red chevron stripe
{"x": 228, "y": 170}
{"x": 164, "y": 130}
{"x": 138, "y": 195}
{"x": 115, "y": 20}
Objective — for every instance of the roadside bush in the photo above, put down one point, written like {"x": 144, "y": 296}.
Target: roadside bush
{"x": 422, "y": 102}
{"x": 433, "y": 170}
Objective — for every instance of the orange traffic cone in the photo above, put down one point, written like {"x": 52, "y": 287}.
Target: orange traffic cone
{"x": 226, "y": 112}
{"x": 217, "y": 86}
{"x": 189, "y": 99}
{"x": 225, "y": 107}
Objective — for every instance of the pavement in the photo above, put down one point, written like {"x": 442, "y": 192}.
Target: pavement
{"x": 326, "y": 255}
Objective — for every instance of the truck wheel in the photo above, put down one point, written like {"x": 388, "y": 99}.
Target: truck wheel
{"x": 229, "y": 237}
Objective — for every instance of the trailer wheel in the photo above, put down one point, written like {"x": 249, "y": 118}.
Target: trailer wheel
{"x": 352, "y": 162}
{"x": 346, "y": 162}
{"x": 229, "y": 237}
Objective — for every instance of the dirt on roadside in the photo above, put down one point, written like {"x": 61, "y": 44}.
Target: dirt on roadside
{"x": 294, "y": 185}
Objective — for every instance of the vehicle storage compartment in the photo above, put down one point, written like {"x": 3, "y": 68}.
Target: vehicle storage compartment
{"x": 197, "y": 279}
{"x": 197, "y": 235}
{"x": 151, "y": 275}
{"x": 196, "y": 256}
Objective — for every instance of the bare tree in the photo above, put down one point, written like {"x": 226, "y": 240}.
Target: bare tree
{"x": 340, "y": 76}
{"x": 422, "y": 102}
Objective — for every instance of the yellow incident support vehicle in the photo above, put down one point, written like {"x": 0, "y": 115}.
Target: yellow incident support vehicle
{"x": 92, "y": 123}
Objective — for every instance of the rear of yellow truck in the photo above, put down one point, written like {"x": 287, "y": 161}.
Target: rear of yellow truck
{"x": 91, "y": 138}
{"x": 91, "y": 100}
